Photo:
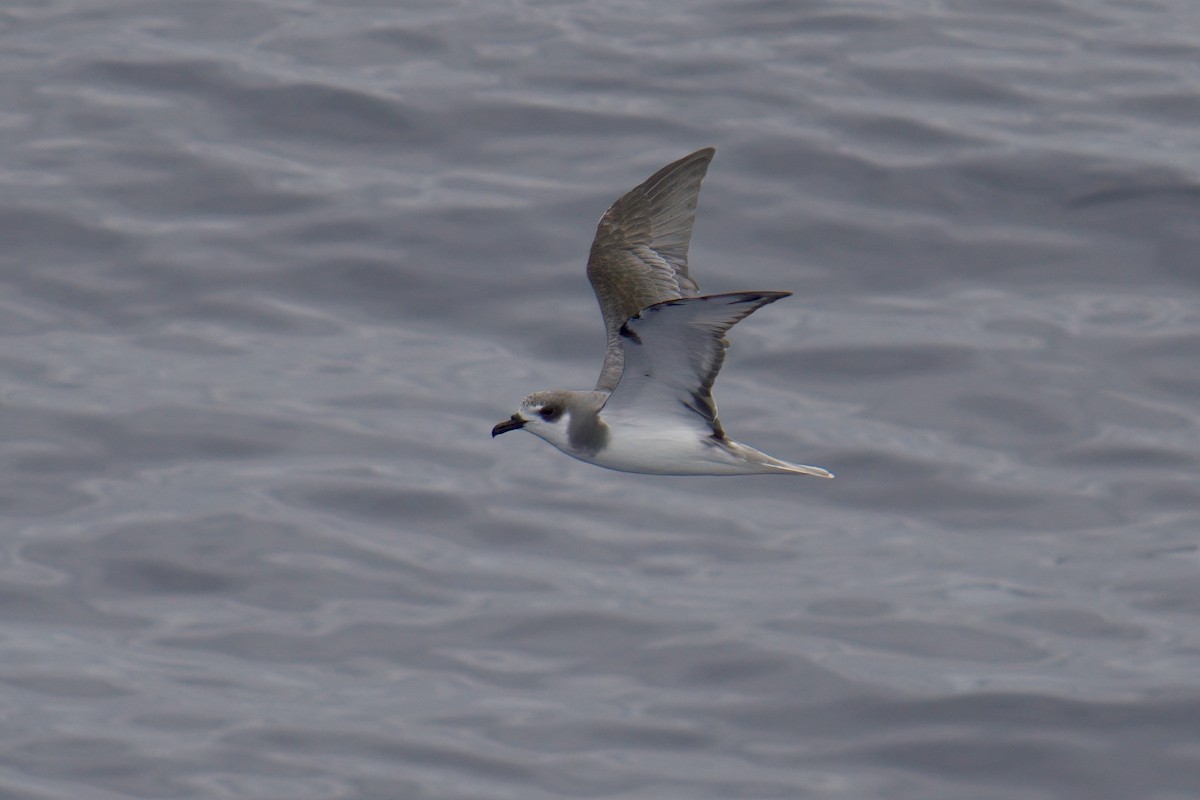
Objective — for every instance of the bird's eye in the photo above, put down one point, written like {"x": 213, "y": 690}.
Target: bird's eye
{"x": 549, "y": 413}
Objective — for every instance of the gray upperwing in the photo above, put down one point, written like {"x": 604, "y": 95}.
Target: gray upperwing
{"x": 639, "y": 256}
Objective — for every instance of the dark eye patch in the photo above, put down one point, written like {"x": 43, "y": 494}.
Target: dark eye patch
{"x": 550, "y": 413}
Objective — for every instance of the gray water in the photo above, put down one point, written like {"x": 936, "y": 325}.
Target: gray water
{"x": 271, "y": 270}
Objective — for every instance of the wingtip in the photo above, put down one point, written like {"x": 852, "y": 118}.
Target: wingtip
{"x": 772, "y": 296}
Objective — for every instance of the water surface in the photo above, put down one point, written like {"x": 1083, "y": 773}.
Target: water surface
{"x": 272, "y": 269}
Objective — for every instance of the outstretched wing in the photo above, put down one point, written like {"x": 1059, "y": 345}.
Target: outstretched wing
{"x": 639, "y": 256}
{"x": 673, "y": 352}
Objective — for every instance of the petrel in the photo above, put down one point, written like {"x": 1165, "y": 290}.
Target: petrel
{"x": 652, "y": 410}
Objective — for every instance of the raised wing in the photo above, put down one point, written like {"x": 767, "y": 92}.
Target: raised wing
{"x": 639, "y": 256}
{"x": 673, "y": 352}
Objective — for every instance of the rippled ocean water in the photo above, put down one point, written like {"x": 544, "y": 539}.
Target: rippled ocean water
{"x": 271, "y": 269}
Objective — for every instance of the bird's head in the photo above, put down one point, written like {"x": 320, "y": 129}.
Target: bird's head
{"x": 544, "y": 414}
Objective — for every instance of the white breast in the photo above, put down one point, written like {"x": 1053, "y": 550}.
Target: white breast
{"x": 659, "y": 446}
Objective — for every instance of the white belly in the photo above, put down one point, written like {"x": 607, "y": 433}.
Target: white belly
{"x": 665, "y": 450}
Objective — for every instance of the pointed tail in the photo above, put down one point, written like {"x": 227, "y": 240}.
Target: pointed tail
{"x": 772, "y": 464}
{"x": 796, "y": 469}
{"x": 801, "y": 469}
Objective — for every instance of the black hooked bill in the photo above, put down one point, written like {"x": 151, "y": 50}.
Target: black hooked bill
{"x": 513, "y": 423}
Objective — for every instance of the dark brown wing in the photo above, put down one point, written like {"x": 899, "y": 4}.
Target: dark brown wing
{"x": 640, "y": 253}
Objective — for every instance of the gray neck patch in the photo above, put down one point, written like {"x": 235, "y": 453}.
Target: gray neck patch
{"x": 586, "y": 432}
